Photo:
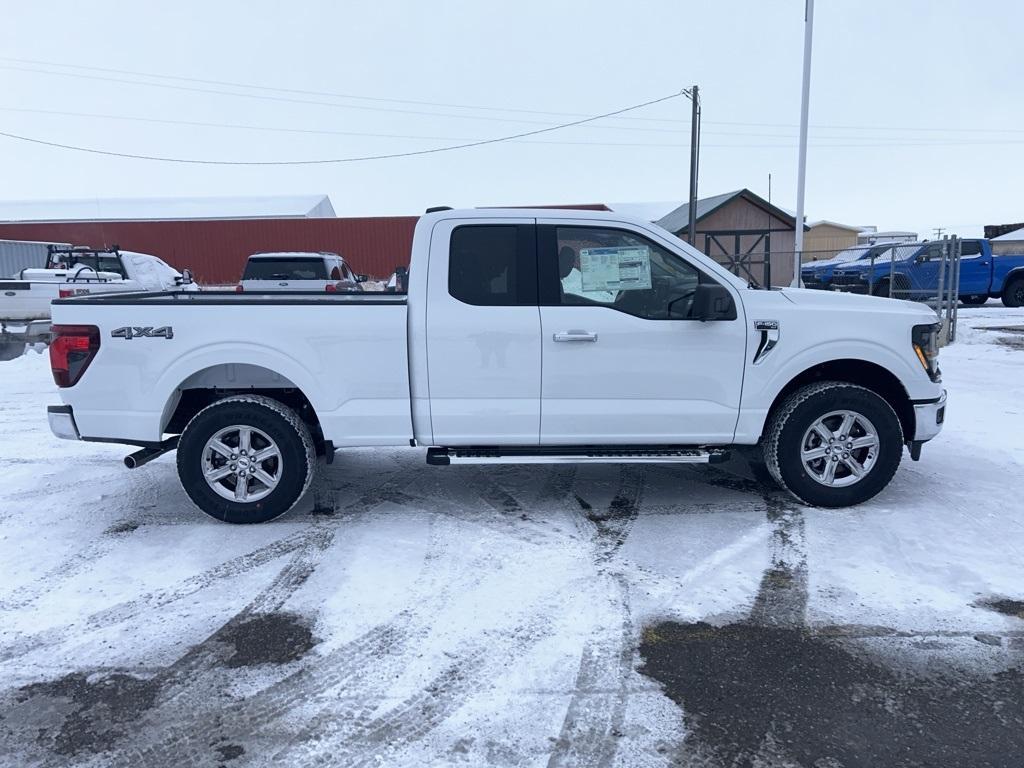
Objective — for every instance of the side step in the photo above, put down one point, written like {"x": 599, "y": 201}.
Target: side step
{"x": 564, "y": 454}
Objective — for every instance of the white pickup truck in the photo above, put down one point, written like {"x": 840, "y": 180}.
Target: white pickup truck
{"x": 25, "y": 298}
{"x": 297, "y": 271}
{"x": 526, "y": 336}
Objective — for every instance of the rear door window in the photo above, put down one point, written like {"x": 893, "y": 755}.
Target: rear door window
{"x": 285, "y": 269}
{"x": 493, "y": 265}
{"x": 969, "y": 249}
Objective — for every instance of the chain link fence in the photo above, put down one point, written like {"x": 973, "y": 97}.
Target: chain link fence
{"x": 926, "y": 272}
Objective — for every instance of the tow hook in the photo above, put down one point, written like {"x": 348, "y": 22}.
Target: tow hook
{"x": 150, "y": 452}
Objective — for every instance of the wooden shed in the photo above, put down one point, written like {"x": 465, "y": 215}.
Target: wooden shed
{"x": 824, "y": 239}
{"x": 742, "y": 231}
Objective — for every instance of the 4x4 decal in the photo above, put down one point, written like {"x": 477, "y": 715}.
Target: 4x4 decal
{"x": 146, "y": 332}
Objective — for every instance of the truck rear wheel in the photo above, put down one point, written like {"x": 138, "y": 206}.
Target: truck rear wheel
{"x": 1013, "y": 293}
{"x": 246, "y": 459}
{"x": 833, "y": 444}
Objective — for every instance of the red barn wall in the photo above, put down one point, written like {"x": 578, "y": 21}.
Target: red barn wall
{"x": 216, "y": 250}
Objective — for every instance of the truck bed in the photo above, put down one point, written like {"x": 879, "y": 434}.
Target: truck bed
{"x": 351, "y": 364}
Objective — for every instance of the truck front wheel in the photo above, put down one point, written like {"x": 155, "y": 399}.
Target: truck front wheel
{"x": 246, "y": 459}
{"x": 1013, "y": 293}
{"x": 833, "y": 444}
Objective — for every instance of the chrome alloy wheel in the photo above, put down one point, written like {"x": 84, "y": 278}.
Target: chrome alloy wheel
{"x": 840, "y": 448}
{"x": 242, "y": 463}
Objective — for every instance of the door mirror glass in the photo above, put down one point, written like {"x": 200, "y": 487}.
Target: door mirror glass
{"x": 712, "y": 301}
{"x": 362, "y": 278}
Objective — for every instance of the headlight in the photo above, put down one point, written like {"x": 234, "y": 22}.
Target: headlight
{"x": 925, "y": 339}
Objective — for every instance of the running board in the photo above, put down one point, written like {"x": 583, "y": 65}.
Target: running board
{"x": 626, "y": 454}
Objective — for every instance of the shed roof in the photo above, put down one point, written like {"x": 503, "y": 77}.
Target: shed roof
{"x": 827, "y": 223}
{"x": 168, "y": 208}
{"x": 1017, "y": 234}
{"x": 679, "y": 220}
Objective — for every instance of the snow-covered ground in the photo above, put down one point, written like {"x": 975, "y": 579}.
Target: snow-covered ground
{"x": 412, "y": 615}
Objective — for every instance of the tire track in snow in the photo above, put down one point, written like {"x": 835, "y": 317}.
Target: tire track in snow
{"x": 370, "y": 661}
{"x": 236, "y": 566}
{"x": 596, "y": 710}
{"x": 362, "y": 740}
{"x": 139, "y": 497}
{"x": 593, "y": 721}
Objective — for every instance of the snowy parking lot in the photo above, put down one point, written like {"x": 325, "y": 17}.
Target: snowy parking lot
{"x": 524, "y": 616}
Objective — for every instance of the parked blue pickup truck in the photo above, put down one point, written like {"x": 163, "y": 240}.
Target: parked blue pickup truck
{"x": 818, "y": 274}
{"x": 913, "y": 272}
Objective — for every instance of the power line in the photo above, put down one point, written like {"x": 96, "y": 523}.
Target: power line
{"x": 874, "y": 141}
{"x": 305, "y": 92}
{"x": 335, "y": 105}
{"x": 445, "y": 105}
{"x": 387, "y": 156}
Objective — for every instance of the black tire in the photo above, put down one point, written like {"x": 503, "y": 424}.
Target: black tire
{"x": 976, "y": 300}
{"x": 293, "y": 470}
{"x": 1013, "y": 293}
{"x": 881, "y": 289}
{"x": 791, "y": 421}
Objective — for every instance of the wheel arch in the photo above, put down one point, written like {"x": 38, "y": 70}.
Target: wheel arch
{"x": 863, "y": 373}
{"x": 206, "y": 385}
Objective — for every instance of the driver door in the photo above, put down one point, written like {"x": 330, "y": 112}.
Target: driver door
{"x": 622, "y": 362}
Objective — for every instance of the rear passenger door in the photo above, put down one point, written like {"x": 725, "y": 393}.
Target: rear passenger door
{"x": 483, "y": 333}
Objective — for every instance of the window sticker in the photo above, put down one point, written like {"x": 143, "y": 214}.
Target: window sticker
{"x": 627, "y": 268}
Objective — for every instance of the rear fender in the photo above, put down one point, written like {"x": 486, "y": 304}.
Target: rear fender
{"x": 167, "y": 388}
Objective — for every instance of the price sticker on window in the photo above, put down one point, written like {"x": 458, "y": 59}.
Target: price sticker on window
{"x": 616, "y": 269}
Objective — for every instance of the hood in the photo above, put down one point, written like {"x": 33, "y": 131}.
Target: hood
{"x": 803, "y": 297}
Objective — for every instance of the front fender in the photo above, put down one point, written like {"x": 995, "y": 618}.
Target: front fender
{"x": 765, "y": 382}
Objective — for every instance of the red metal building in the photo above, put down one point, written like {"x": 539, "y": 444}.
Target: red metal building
{"x": 216, "y": 249}
{"x": 214, "y": 236}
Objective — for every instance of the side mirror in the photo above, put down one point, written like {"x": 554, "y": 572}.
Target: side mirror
{"x": 186, "y": 277}
{"x": 712, "y": 301}
{"x": 362, "y": 278}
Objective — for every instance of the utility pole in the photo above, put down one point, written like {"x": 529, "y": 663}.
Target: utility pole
{"x": 938, "y": 232}
{"x": 694, "y": 156}
{"x": 802, "y": 162}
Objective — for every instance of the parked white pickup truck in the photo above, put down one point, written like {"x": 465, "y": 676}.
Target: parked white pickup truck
{"x": 297, "y": 271}
{"x": 526, "y": 336}
{"x": 25, "y": 298}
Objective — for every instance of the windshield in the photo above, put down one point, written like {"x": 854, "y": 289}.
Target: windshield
{"x": 852, "y": 254}
{"x": 285, "y": 269}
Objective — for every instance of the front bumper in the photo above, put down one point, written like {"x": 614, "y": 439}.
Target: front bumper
{"x": 62, "y": 422}
{"x": 929, "y": 418}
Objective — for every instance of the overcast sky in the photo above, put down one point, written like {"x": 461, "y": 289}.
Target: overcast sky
{"x": 917, "y": 119}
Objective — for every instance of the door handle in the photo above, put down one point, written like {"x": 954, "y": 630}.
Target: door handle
{"x": 575, "y": 336}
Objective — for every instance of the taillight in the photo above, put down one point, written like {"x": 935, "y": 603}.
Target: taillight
{"x": 239, "y": 288}
{"x": 65, "y": 293}
{"x": 72, "y": 348}
{"x": 331, "y": 288}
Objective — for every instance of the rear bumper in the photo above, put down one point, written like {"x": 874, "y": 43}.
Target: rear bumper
{"x": 929, "y": 418}
{"x": 62, "y": 422}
